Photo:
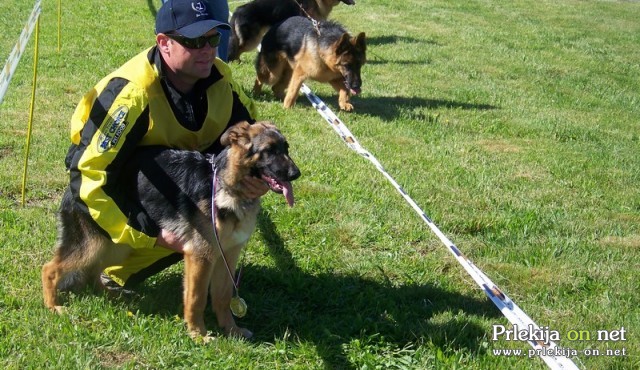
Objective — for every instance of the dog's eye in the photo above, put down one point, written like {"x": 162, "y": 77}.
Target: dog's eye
{"x": 273, "y": 150}
{"x": 277, "y": 149}
{"x": 268, "y": 151}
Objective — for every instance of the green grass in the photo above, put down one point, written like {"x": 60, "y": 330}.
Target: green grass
{"x": 514, "y": 125}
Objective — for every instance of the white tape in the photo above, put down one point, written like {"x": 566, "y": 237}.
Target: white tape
{"x": 14, "y": 58}
{"x": 508, "y": 308}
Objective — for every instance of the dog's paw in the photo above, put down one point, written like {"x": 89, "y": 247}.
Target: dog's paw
{"x": 240, "y": 333}
{"x": 60, "y": 310}
{"x": 198, "y": 334}
{"x": 288, "y": 104}
{"x": 208, "y": 339}
{"x": 347, "y": 107}
{"x": 202, "y": 339}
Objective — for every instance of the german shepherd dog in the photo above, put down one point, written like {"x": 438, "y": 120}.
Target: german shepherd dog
{"x": 175, "y": 188}
{"x": 296, "y": 50}
{"x": 251, "y": 21}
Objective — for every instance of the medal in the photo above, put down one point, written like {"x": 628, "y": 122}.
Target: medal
{"x": 238, "y": 306}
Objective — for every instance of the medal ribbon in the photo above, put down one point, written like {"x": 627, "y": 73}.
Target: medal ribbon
{"x": 237, "y": 304}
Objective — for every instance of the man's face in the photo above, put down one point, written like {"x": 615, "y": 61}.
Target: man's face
{"x": 188, "y": 64}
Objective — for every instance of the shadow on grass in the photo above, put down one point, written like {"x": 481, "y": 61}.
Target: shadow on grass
{"x": 377, "y": 59}
{"x": 386, "y": 108}
{"x": 374, "y": 58}
{"x": 394, "y": 39}
{"x": 389, "y": 108}
{"x": 332, "y": 310}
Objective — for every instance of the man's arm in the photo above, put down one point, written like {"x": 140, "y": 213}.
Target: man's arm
{"x": 115, "y": 119}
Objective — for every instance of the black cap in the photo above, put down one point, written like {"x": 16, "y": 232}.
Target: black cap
{"x": 188, "y": 18}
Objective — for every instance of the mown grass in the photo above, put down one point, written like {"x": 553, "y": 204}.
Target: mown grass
{"x": 513, "y": 125}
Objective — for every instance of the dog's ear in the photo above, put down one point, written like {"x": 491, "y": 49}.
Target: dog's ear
{"x": 344, "y": 44}
{"x": 360, "y": 42}
{"x": 266, "y": 124}
{"x": 236, "y": 134}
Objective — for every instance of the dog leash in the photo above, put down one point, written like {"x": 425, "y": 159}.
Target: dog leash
{"x": 547, "y": 351}
{"x": 313, "y": 20}
{"x": 237, "y": 305}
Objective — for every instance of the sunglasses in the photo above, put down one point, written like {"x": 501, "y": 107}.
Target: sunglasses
{"x": 198, "y": 42}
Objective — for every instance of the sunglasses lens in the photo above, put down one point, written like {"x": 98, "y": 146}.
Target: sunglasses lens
{"x": 214, "y": 40}
{"x": 198, "y": 42}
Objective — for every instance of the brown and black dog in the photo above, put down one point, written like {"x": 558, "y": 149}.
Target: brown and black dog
{"x": 251, "y": 21}
{"x": 296, "y": 49}
{"x": 175, "y": 189}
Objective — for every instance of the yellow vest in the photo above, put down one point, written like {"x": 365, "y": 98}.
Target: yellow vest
{"x": 148, "y": 92}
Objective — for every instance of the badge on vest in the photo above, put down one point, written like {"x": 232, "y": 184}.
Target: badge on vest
{"x": 112, "y": 129}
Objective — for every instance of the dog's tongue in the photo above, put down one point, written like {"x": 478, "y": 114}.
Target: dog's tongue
{"x": 287, "y": 191}
{"x": 283, "y": 187}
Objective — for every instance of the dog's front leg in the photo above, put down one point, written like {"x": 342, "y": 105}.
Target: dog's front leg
{"x": 343, "y": 94}
{"x": 221, "y": 289}
{"x": 51, "y": 274}
{"x": 197, "y": 274}
{"x": 297, "y": 78}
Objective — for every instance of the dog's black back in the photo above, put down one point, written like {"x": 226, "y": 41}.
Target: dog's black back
{"x": 289, "y": 35}
{"x": 250, "y": 20}
{"x": 164, "y": 183}
{"x": 159, "y": 181}
{"x": 265, "y": 13}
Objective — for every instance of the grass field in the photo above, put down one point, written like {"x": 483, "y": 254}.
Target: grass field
{"x": 514, "y": 125}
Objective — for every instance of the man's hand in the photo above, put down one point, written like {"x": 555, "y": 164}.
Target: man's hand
{"x": 169, "y": 240}
{"x": 254, "y": 187}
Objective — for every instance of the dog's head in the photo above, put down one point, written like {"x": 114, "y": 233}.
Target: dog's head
{"x": 351, "y": 56}
{"x": 260, "y": 150}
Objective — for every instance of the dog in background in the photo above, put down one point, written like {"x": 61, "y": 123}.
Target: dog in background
{"x": 251, "y": 21}
{"x": 296, "y": 49}
{"x": 175, "y": 189}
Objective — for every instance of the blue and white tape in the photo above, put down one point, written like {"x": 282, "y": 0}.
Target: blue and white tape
{"x": 14, "y": 58}
{"x": 508, "y": 308}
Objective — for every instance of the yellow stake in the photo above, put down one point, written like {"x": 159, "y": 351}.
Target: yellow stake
{"x": 33, "y": 97}
{"x": 59, "y": 21}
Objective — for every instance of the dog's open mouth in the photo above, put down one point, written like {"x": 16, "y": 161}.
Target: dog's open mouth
{"x": 280, "y": 187}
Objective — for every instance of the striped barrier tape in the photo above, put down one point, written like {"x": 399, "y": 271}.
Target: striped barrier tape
{"x": 509, "y": 309}
{"x": 14, "y": 58}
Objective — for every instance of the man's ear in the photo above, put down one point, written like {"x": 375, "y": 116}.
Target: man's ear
{"x": 163, "y": 42}
{"x": 237, "y": 134}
